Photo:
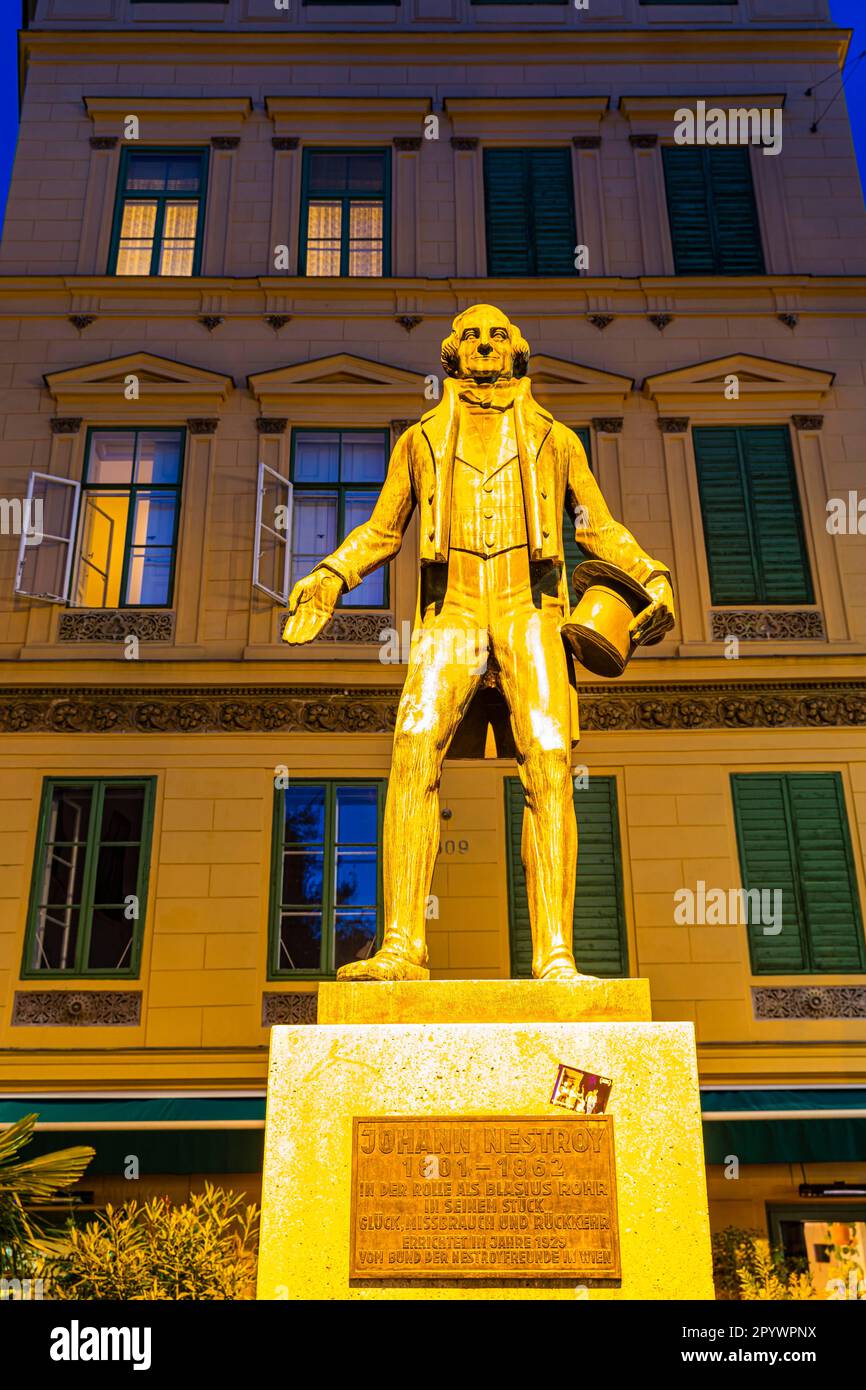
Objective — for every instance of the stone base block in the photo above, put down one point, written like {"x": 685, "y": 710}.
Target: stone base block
{"x": 485, "y": 1001}
{"x": 324, "y": 1078}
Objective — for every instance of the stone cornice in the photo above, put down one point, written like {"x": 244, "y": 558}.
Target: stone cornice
{"x": 381, "y": 118}
{"x": 654, "y": 115}
{"x": 418, "y": 44}
{"x": 732, "y": 705}
{"x": 170, "y": 118}
{"x": 755, "y": 296}
{"x": 546, "y": 117}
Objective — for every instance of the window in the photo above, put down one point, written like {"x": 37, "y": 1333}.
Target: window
{"x": 712, "y": 212}
{"x": 529, "y": 212}
{"x": 345, "y": 214}
{"x": 326, "y": 894}
{"x": 753, "y": 527}
{"x": 129, "y": 516}
{"x": 336, "y": 478}
{"x": 792, "y": 833}
{"x": 272, "y": 551}
{"x": 49, "y": 519}
{"x": 87, "y": 901}
{"x": 825, "y": 1240}
{"x": 160, "y": 213}
{"x": 600, "y": 946}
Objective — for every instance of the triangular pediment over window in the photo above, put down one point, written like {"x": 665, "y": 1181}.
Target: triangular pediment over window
{"x": 574, "y": 389}
{"x": 758, "y": 383}
{"x": 340, "y": 390}
{"x": 156, "y": 386}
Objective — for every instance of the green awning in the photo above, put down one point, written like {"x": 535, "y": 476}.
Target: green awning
{"x": 780, "y": 1124}
{"x": 168, "y": 1132}
{"x": 222, "y": 1132}
{"x": 148, "y": 1111}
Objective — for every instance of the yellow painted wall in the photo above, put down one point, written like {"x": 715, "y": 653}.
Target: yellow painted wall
{"x": 204, "y": 962}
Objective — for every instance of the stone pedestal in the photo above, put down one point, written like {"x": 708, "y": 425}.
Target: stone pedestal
{"x": 463, "y": 1050}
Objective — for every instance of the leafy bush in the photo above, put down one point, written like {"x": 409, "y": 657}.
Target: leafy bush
{"x": 203, "y": 1249}
{"x": 747, "y": 1268}
{"x": 37, "y": 1179}
{"x": 767, "y": 1277}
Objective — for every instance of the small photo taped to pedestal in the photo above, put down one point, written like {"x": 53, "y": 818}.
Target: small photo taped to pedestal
{"x": 583, "y": 1091}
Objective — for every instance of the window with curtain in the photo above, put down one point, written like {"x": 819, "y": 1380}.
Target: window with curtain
{"x": 127, "y": 529}
{"x": 345, "y": 212}
{"x": 326, "y": 894}
{"x": 87, "y": 901}
{"x": 336, "y": 476}
{"x": 160, "y": 213}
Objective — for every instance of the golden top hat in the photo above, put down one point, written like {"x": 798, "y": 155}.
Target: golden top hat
{"x": 598, "y": 629}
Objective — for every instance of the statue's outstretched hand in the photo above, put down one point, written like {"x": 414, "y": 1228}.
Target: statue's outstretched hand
{"x": 311, "y": 606}
{"x": 651, "y": 625}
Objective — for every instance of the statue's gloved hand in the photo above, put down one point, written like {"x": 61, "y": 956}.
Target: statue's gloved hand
{"x": 651, "y": 625}
{"x": 311, "y": 606}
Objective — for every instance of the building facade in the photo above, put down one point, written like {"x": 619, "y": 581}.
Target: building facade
{"x": 235, "y": 238}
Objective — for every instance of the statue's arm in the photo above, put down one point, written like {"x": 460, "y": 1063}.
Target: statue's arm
{"x": 372, "y": 544}
{"x": 599, "y": 533}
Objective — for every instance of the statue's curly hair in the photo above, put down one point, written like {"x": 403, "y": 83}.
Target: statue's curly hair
{"x": 451, "y": 360}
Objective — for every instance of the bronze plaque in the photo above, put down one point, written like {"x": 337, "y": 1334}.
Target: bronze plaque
{"x": 503, "y": 1197}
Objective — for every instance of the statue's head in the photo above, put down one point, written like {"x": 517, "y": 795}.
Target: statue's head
{"x": 485, "y": 346}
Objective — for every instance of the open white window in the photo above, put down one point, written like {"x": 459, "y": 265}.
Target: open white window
{"x": 272, "y": 550}
{"x": 48, "y": 521}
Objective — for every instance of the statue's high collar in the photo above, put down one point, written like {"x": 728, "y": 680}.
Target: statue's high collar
{"x": 497, "y": 395}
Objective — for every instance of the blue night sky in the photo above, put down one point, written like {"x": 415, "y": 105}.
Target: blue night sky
{"x": 847, "y": 13}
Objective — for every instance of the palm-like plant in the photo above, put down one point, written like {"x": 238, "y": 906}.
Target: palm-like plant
{"x": 35, "y": 1178}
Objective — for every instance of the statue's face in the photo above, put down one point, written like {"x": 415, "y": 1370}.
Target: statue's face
{"x": 485, "y": 349}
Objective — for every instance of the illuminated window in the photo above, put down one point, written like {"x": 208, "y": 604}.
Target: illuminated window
{"x": 87, "y": 901}
{"x": 129, "y": 515}
{"x": 326, "y": 894}
{"x": 337, "y": 476}
{"x": 345, "y": 212}
{"x": 160, "y": 213}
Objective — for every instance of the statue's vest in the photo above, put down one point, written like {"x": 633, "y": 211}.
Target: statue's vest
{"x": 487, "y": 512}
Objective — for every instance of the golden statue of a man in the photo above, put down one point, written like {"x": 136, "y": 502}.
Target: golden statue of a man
{"x": 491, "y": 473}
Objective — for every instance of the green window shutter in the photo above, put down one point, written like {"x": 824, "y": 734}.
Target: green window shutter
{"x": 574, "y": 554}
{"x": 688, "y": 210}
{"x": 520, "y": 933}
{"x": 712, "y": 211}
{"x": 828, "y": 884}
{"x": 600, "y": 946}
{"x": 552, "y": 203}
{"x": 753, "y": 528}
{"x": 529, "y": 212}
{"x": 767, "y": 862}
{"x": 735, "y": 213}
{"x": 792, "y": 834}
{"x": 776, "y": 518}
{"x": 725, "y": 512}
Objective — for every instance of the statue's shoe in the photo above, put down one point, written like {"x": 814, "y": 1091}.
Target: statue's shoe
{"x": 385, "y": 965}
{"x": 564, "y": 970}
